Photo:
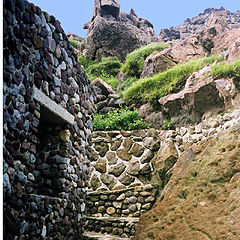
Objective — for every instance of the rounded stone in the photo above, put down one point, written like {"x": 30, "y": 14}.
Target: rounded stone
{"x": 111, "y": 210}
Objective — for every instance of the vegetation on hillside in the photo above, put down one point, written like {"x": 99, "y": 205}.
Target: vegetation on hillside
{"x": 118, "y": 119}
{"x": 107, "y": 69}
{"x": 149, "y": 90}
{"x": 134, "y": 63}
{"x": 75, "y": 42}
{"x": 226, "y": 69}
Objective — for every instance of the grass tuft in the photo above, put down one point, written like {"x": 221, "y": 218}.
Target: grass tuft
{"x": 226, "y": 69}
{"x": 134, "y": 64}
{"x": 107, "y": 69}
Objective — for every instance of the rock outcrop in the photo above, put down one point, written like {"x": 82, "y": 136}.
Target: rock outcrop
{"x": 106, "y": 98}
{"x": 216, "y": 38}
{"x": 201, "y": 200}
{"x": 115, "y": 33}
{"x": 197, "y": 23}
{"x": 201, "y": 97}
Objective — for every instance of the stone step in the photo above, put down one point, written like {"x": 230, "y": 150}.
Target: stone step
{"x": 99, "y": 236}
{"x": 123, "y": 227}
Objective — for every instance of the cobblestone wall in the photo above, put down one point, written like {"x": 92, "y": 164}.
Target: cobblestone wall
{"x": 48, "y": 108}
{"x": 122, "y": 159}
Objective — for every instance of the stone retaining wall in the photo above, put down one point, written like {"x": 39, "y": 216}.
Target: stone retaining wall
{"x": 131, "y": 202}
{"x": 122, "y": 159}
{"x": 47, "y": 114}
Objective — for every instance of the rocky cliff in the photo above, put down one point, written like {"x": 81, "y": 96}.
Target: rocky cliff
{"x": 115, "y": 33}
{"x": 199, "y": 22}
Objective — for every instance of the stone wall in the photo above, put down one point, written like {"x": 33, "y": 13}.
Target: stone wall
{"x": 121, "y": 159}
{"x": 121, "y": 208}
{"x": 47, "y": 114}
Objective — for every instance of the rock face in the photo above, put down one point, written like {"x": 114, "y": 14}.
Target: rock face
{"x": 218, "y": 36}
{"x": 197, "y": 23}
{"x": 202, "y": 97}
{"x": 115, "y": 33}
{"x": 47, "y": 113}
{"x": 201, "y": 200}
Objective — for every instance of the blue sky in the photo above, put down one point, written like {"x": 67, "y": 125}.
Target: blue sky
{"x": 73, "y": 14}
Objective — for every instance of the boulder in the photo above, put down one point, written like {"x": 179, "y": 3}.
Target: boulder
{"x": 105, "y": 88}
{"x": 202, "y": 97}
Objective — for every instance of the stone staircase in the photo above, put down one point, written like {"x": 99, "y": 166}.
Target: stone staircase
{"x": 115, "y": 214}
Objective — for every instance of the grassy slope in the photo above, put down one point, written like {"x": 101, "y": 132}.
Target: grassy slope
{"x": 151, "y": 89}
{"x": 134, "y": 63}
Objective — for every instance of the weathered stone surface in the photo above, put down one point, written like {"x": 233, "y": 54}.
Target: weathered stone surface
{"x": 151, "y": 143}
{"x": 127, "y": 144}
{"x": 133, "y": 167}
{"x": 112, "y": 158}
{"x": 147, "y": 156}
{"x": 124, "y": 155}
{"x": 183, "y": 194}
{"x": 116, "y": 143}
{"x": 65, "y": 135}
{"x": 200, "y": 22}
{"x": 200, "y": 96}
{"x": 126, "y": 179}
{"x": 102, "y": 148}
{"x": 101, "y": 166}
{"x": 105, "y": 88}
{"x": 137, "y": 150}
{"x": 117, "y": 26}
{"x": 108, "y": 180}
{"x": 111, "y": 210}
{"x": 95, "y": 182}
{"x": 117, "y": 170}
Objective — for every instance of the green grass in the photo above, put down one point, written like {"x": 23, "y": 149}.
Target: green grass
{"x": 226, "y": 69}
{"x": 107, "y": 69}
{"x": 134, "y": 64}
{"x": 118, "y": 119}
{"x": 150, "y": 90}
{"x": 75, "y": 42}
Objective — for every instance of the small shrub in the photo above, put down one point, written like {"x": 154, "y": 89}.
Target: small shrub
{"x": 107, "y": 69}
{"x": 150, "y": 90}
{"x": 86, "y": 62}
{"x": 226, "y": 69}
{"x": 118, "y": 119}
{"x": 134, "y": 64}
{"x": 167, "y": 124}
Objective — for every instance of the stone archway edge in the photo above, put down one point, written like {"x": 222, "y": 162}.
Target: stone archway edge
{"x": 46, "y": 102}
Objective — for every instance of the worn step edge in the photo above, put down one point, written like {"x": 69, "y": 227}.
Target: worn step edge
{"x": 121, "y": 219}
{"x": 139, "y": 188}
{"x": 99, "y": 236}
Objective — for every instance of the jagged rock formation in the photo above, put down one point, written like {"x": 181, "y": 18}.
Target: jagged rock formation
{"x": 201, "y": 98}
{"x": 115, "y": 33}
{"x": 197, "y": 23}
{"x": 201, "y": 200}
{"x": 216, "y": 38}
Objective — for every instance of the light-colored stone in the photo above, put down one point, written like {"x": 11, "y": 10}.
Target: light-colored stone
{"x": 65, "y": 135}
{"x": 111, "y": 210}
{"x": 57, "y": 113}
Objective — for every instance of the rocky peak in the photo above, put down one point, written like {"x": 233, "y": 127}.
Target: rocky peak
{"x": 209, "y": 17}
{"x": 115, "y": 33}
{"x": 106, "y": 8}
